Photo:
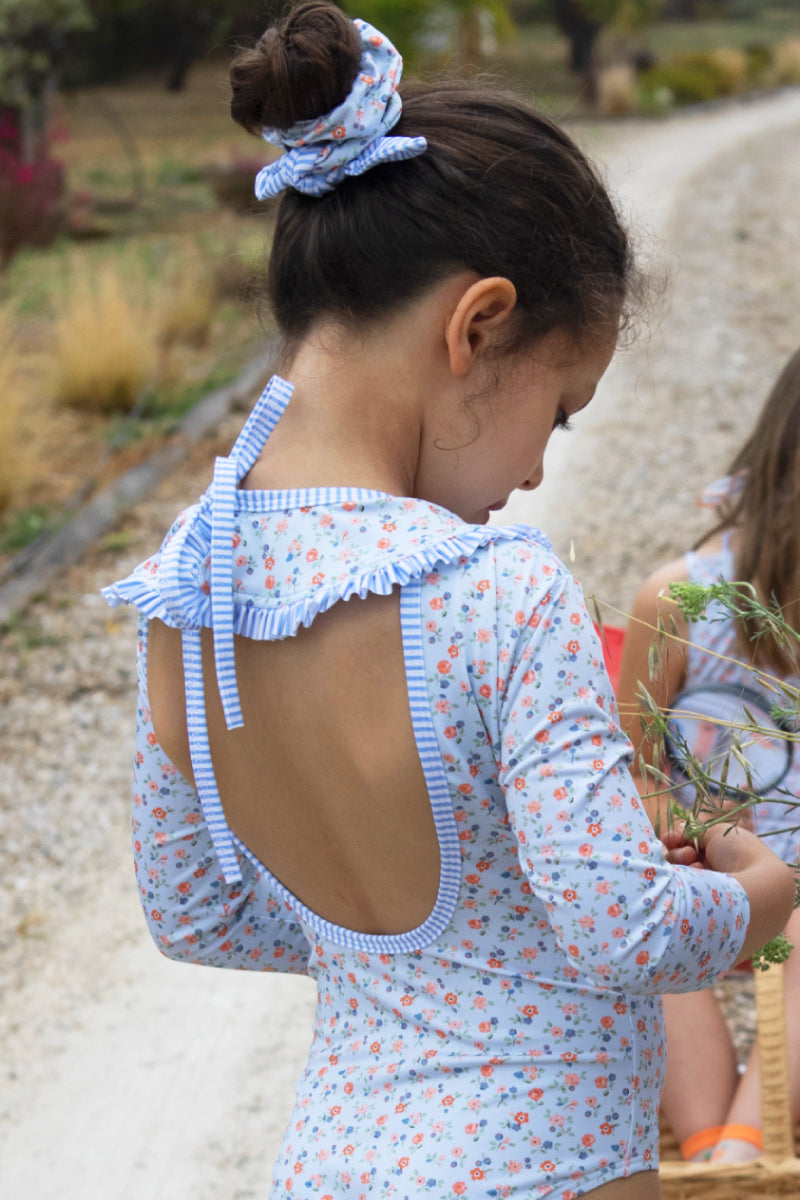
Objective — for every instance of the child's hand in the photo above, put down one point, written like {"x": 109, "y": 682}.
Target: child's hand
{"x": 769, "y": 883}
{"x": 681, "y": 852}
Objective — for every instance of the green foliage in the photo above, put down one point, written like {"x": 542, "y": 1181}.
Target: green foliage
{"x": 622, "y": 14}
{"x": 742, "y": 601}
{"x": 21, "y": 528}
{"x": 409, "y": 23}
{"x": 401, "y": 20}
{"x": 776, "y": 950}
{"x": 31, "y": 32}
{"x": 693, "y": 599}
{"x": 692, "y": 78}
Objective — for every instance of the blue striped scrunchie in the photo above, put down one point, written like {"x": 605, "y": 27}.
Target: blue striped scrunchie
{"x": 352, "y": 137}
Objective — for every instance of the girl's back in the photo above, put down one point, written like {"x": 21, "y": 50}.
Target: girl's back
{"x": 323, "y": 782}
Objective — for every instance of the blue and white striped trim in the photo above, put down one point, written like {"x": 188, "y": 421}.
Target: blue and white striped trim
{"x": 204, "y": 777}
{"x": 228, "y": 472}
{"x": 225, "y": 481}
{"x": 259, "y": 425}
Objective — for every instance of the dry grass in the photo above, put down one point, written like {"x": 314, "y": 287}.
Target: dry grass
{"x": 14, "y": 456}
{"x": 185, "y": 310}
{"x": 105, "y": 340}
{"x": 616, "y": 91}
{"x": 786, "y": 61}
{"x": 732, "y": 68}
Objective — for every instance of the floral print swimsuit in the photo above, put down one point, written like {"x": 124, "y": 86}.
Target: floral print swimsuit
{"x": 713, "y": 659}
{"x": 512, "y": 1045}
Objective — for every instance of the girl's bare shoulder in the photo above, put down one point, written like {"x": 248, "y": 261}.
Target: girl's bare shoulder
{"x": 653, "y": 594}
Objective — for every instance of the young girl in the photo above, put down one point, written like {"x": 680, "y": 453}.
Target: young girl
{"x": 756, "y": 539}
{"x": 421, "y": 796}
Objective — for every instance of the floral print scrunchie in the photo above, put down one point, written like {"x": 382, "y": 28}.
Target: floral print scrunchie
{"x": 352, "y": 137}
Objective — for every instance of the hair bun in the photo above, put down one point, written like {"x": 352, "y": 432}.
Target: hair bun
{"x": 302, "y": 67}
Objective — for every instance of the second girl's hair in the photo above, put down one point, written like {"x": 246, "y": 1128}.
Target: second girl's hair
{"x": 501, "y": 190}
{"x": 766, "y": 514}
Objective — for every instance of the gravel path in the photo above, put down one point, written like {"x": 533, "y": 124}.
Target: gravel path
{"x": 123, "y": 1074}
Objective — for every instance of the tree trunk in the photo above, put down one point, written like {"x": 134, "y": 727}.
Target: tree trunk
{"x": 581, "y": 31}
{"x": 469, "y": 49}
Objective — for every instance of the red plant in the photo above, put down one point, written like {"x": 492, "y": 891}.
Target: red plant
{"x": 31, "y": 203}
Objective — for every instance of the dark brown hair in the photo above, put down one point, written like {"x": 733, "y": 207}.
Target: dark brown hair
{"x": 766, "y": 514}
{"x": 501, "y": 190}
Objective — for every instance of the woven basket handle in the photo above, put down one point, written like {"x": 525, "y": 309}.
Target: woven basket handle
{"x": 776, "y": 1120}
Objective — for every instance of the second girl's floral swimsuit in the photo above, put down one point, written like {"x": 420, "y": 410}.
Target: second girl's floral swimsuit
{"x": 512, "y": 1045}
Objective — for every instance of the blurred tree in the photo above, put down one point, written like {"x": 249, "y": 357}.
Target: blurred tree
{"x": 130, "y": 36}
{"x": 581, "y": 21}
{"x": 411, "y": 24}
{"x": 403, "y": 21}
{"x": 32, "y": 41}
{"x": 471, "y": 20}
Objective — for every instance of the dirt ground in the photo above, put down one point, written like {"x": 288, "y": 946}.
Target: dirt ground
{"x": 124, "y": 1075}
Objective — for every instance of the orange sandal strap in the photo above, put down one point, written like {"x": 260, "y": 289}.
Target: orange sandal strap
{"x": 742, "y": 1133}
{"x": 704, "y": 1139}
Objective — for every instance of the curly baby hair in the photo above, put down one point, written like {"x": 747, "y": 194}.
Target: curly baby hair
{"x": 766, "y": 513}
{"x": 500, "y": 189}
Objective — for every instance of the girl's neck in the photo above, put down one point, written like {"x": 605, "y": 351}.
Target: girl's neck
{"x": 357, "y": 414}
{"x": 339, "y": 431}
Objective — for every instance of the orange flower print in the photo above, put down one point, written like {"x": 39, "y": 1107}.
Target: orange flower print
{"x": 339, "y": 132}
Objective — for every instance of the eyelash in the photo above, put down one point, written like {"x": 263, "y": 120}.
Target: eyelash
{"x": 562, "y": 421}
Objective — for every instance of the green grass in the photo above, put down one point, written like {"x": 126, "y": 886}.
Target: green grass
{"x": 19, "y": 529}
{"x": 684, "y": 37}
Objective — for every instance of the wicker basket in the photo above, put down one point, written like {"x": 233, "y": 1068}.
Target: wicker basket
{"x": 777, "y": 1171}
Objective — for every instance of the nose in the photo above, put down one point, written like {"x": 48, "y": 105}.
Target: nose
{"x": 533, "y": 480}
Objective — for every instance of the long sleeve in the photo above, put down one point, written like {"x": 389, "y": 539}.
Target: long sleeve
{"x": 626, "y": 917}
{"x": 192, "y": 914}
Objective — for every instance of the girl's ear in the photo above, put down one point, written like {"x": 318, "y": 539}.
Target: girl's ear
{"x": 484, "y": 307}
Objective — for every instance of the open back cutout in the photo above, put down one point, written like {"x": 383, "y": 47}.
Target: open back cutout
{"x": 323, "y": 782}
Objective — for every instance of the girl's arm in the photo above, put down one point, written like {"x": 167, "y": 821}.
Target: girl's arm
{"x": 624, "y": 916}
{"x": 652, "y": 606}
{"x": 769, "y": 883}
{"x": 192, "y": 914}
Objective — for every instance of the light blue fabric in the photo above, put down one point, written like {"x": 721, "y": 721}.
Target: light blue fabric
{"x": 351, "y": 138}
{"x": 511, "y": 1044}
